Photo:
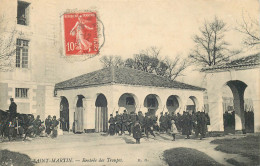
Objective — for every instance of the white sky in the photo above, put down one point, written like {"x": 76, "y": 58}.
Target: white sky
{"x": 131, "y": 26}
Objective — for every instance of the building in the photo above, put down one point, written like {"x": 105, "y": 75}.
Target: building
{"x": 88, "y": 99}
{"x": 32, "y": 34}
{"x": 241, "y": 76}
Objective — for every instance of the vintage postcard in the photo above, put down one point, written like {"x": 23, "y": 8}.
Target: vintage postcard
{"x": 129, "y": 83}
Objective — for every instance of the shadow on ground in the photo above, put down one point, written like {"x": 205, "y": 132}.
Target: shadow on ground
{"x": 187, "y": 156}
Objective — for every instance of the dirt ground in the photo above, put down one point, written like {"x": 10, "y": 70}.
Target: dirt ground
{"x": 99, "y": 149}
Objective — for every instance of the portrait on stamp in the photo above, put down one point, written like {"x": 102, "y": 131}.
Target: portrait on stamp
{"x": 80, "y": 31}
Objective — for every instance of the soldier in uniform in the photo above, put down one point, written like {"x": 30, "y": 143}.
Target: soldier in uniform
{"x": 132, "y": 120}
{"x": 12, "y": 109}
{"x": 36, "y": 125}
{"x": 54, "y": 127}
{"x": 124, "y": 122}
{"x": 112, "y": 123}
{"x": 140, "y": 118}
{"x": 118, "y": 121}
{"x": 48, "y": 124}
{"x": 148, "y": 122}
{"x": 137, "y": 131}
{"x": 167, "y": 122}
{"x": 187, "y": 124}
{"x": 161, "y": 121}
{"x": 202, "y": 124}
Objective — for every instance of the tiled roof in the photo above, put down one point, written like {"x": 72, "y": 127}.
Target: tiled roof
{"x": 245, "y": 62}
{"x": 122, "y": 75}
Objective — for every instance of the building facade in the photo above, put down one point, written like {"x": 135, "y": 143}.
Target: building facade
{"x": 241, "y": 77}
{"x": 88, "y": 99}
{"x": 30, "y": 34}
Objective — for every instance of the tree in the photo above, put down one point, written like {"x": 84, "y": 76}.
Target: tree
{"x": 251, "y": 30}
{"x": 7, "y": 46}
{"x": 210, "y": 45}
{"x": 175, "y": 67}
{"x": 149, "y": 60}
{"x": 108, "y": 61}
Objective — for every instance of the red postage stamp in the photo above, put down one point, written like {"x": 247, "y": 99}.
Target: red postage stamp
{"x": 80, "y": 34}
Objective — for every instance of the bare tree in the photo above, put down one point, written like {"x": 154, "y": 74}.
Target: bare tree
{"x": 149, "y": 60}
{"x": 111, "y": 60}
{"x": 175, "y": 67}
{"x": 211, "y": 47}
{"x": 251, "y": 30}
{"x": 7, "y": 46}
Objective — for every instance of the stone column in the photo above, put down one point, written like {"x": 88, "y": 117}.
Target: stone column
{"x": 256, "y": 104}
{"x": 215, "y": 113}
{"x": 89, "y": 113}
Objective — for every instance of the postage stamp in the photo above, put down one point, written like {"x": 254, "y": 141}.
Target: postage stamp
{"x": 80, "y": 34}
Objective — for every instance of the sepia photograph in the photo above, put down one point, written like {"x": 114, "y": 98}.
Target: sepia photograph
{"x": 129, "y": 82}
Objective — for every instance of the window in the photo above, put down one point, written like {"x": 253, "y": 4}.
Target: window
{"x": 130, "y": 101}
{"x": 22, "y": 53}
{"x": 21, "y": 92}
{"x": 22, "y": 13}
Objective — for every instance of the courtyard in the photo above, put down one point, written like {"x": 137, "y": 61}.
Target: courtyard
{"x": 100, "y": 149}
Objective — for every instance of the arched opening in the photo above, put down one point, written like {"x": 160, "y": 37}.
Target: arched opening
{"x": 64, "y": 114}
{"x": 152, "y": 102}
{"x": 78, "y": 115}
{"x": 128, "y": 101}
{"x": 192, "y": 104}
{"x": 238, "y": 111}
{"x": 101, "y": 114}
{"x": 173, "y": 103}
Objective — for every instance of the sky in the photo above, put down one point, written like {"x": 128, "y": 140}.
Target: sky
{"x": 131, "y": 26}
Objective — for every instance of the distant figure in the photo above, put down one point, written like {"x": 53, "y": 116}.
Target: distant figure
{"x": 112, "y": 124}
{"x": 55, "y": 124}
{"x": 174, "y": 129}
{"x": 12, "y": 109}
{"x": 48, "y": 124}
{"x": 137, "y": 131}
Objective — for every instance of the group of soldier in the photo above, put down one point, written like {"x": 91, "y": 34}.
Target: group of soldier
{"x": 14, "y": 125}
{"x": 138, "y": 124}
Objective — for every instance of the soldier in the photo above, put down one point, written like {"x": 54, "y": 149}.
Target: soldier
{"x": 194, "y": 118}
{"x": 140, "y": 118}
{"x": 148, "y": 122}
{"x": 118, "y": 121}
{"x": 167, "y": 122}
{"x": 187, "y": 124}
{"x": 36, "y": 125}
{"x": 178, "y": 121}
{"x": 48, "y": 124}
{"x": 124, "y": 122}
{"x": 28, "y": 126}
{"x": 137, "y": 131}
{"x": 134, "y": 118}
{"x": 112, "y": 123}
{"x": 54, "y": 127}
{"x": 161, "y": 121}
{"x": 12, "y": 109}
{"x": 202, "y": 124}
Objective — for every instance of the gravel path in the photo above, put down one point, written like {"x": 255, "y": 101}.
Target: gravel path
{"x": 98, "y": 149}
